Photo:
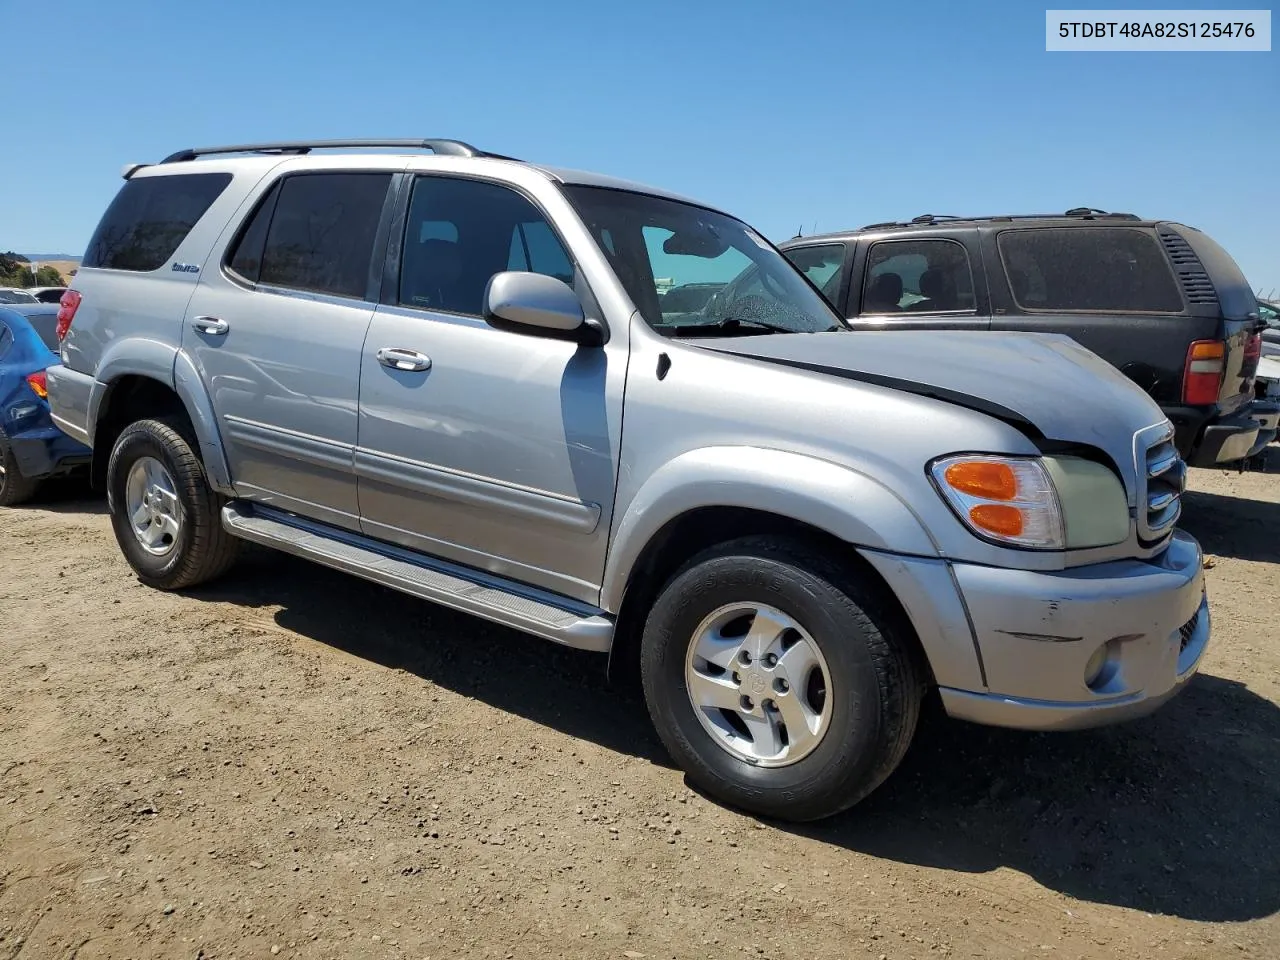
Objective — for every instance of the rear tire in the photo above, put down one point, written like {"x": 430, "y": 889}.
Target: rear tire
{"x": 166, "y": 517}
{"x": 862, "y": 713}
{"x": 14, "y": 487}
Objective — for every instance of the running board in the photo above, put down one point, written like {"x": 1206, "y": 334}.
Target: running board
{"x": 520, "y": 607}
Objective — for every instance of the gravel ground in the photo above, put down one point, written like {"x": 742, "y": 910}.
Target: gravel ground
{"x": 296, "y": 763}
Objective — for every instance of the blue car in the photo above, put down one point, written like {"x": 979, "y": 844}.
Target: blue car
{"x": 31, "y": 447}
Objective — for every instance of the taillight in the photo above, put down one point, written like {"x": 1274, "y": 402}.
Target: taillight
{"x": 67, "y": 308}
{"x": 38, "y": 384}
{"x": 1202, "y": 378}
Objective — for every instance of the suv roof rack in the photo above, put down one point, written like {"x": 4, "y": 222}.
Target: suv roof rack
{"x": 1080, "y": 213}
{"x": 452, "y": 148}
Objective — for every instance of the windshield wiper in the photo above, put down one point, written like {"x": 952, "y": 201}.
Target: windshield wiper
{"x": 731, "y": 325}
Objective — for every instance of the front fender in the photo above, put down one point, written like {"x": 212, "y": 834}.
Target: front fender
{"x": 837, "y": 499}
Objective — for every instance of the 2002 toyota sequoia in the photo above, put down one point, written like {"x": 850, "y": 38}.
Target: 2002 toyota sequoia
{"x": 454, "y": 374}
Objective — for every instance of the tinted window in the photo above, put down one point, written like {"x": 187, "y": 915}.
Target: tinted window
{"x": 6, "y": 339}
{"x": 1088, "y": 268}
{"x": 16, "y": 296}
{"x": 46, "y": 327}
{"x": 824, "y": 266}
{"x": 246, "y": 255}
{"x": 149, "y": 217}
{"x": 917, "y": 276}
{"x": 50, "y": 296}
{"x": 461, "y": 232}
{"x": 321, "y": 233}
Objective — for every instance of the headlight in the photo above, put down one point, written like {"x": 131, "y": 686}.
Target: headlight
{"x": 1038, "y": 503}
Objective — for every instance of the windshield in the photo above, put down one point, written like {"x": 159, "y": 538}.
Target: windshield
{"x": 694, "y": 272}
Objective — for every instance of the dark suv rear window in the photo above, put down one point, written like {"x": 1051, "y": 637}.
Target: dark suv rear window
{"x": 1097, "y": 269}
{"x": 149, "y": 218}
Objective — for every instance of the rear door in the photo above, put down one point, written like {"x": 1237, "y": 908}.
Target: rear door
{"x": 276, "y": 336}
{"x": 933, "y": 282}
{"x": 1111, "y": 288}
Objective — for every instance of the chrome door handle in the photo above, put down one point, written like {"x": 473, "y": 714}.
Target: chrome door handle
{"x": 397, "y": 358}
{"x": 210, "y": 325}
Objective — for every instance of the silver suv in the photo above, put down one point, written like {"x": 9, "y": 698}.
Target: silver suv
{"x": 455, "y": 374}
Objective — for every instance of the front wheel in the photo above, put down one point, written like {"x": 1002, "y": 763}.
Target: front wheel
{"x": 164, "y": 513}
{"x": 779, "y": 680}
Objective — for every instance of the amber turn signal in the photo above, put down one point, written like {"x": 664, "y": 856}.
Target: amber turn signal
{"x": 983, "y": 478}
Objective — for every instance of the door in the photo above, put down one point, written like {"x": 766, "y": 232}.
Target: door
{"x": 926, "y": 284}
{"x": 489, "y": 448}
{"x": 276, "y": 337}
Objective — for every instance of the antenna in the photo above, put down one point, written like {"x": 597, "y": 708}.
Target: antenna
{"x": 799, "y": 232}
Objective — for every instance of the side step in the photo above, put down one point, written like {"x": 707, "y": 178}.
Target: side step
{"x": 534, "y": 611}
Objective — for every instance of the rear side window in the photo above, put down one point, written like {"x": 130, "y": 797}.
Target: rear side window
{"x": 6, "y": 339}
{"x": 46, "y": 327}
{"x": 918, "y": 276}
{"x": 314, "y": 232}
{"x": 1097, "y": 269}
{"x": 149, "y": 218}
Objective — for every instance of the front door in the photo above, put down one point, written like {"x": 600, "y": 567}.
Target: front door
{"x": 276, "y": 337}
{"x": 489, "y": 448}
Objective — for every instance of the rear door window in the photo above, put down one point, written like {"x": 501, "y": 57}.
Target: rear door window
{"x": 918, "y": 276}
{"x": 1092, "y": 269}
{"x": 314, "y": 232}
{"x": 149, "y": 218}
{"x": 6, "y": 339}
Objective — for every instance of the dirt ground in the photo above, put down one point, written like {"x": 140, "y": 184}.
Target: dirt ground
{"x": 297, "y": 763}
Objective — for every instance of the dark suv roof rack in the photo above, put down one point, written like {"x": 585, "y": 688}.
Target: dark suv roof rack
{"x": 1080, "y": 213}
{"x": 452, "y": 148}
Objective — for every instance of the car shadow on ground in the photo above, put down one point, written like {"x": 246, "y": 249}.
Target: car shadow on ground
{"x": 1174, "y": 814}
{"x": 1233, "y": 526}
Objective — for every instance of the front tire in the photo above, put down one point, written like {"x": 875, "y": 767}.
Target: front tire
{"x": 14, "y": 487}
{"x": 779, "y": 680}
{"x": 165, "y": 515}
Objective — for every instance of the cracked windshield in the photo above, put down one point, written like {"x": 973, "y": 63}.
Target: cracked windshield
{"x": 693, "y": 272}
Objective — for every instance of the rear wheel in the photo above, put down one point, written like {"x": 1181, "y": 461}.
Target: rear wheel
{"x": 14, "y": 487}
{"x": 779, "y": 680}
{"x": 165, "y": 516}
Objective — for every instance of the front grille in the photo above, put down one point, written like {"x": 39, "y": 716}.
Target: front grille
{"x": 1186, "y": 630}
{"x": 1165, "y": 477}
{"x": 1191, "y": 273}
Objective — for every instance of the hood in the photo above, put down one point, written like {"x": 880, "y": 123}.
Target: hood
{"x": 1044, "y": 384}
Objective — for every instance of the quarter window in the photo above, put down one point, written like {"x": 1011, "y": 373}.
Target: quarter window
{"x": 918, "y": 276}
{"x": 150, "y": 217}
{"x": 1118, "y": 269}
{"x": 824, "y": 266}
{"x": 461, "y": 232}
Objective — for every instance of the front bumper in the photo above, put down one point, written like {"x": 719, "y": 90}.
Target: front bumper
{"x": 1035, "y": 633}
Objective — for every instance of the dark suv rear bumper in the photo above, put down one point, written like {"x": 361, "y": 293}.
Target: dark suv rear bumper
{"x": 1205, "y": 440}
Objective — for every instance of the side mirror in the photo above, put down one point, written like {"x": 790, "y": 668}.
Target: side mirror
{"x": 537, "y": 304}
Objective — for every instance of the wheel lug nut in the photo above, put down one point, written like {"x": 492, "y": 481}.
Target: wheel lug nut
{"x": 781, "y": 685}
{"x": 744, "y": 657}
{"x": 736, "y": 678}
{"x": 747, "y": 704}
{"x": 771, "y": 659}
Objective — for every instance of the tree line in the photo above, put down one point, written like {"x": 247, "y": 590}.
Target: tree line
{"x": 15, "y": 271}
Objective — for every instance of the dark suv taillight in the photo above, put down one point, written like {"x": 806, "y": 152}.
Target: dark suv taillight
{"x": 1202, "y": 376}
{"x": 67, "y": 308}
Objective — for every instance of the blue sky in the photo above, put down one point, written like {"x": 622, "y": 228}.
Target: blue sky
{"x": 839, "y": 113}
